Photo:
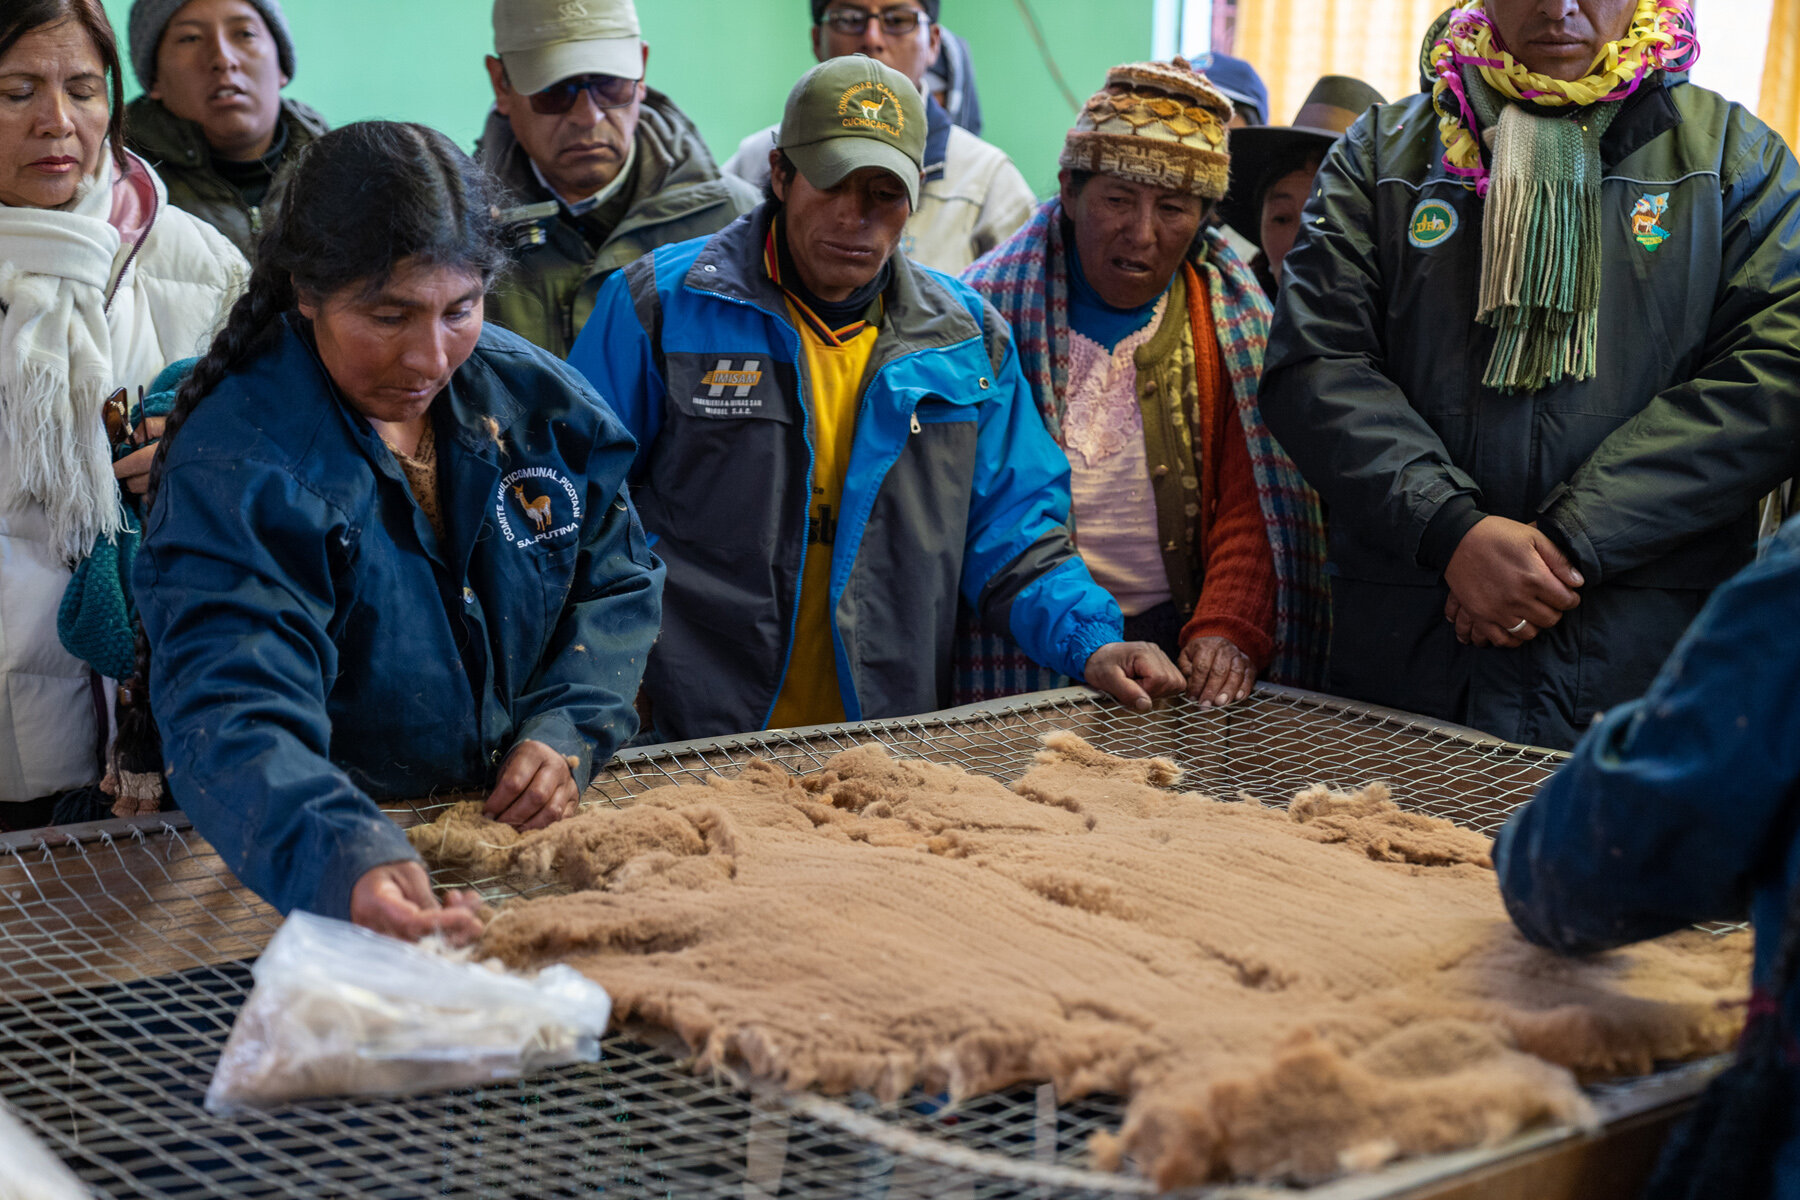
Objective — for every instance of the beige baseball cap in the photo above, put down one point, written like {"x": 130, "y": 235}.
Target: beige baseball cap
{"x": 853, "y": 112}
{"x": 544, "y": 41}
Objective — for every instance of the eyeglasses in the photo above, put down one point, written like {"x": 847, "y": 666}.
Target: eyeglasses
{"x": 853, "y": 21}
{"x": 608, "y": 91}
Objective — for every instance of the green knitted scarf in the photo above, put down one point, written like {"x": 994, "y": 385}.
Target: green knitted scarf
{"x": 1540, "y": 240}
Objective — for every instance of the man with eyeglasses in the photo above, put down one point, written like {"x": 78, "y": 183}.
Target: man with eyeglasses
{"x": 974, "y": 197}
{"x": 602, "y": 168}
{"x": 834, "y": 443}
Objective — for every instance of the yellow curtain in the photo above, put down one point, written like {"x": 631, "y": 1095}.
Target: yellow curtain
{"x": 1780, "y": 104}
{"x": 1293, "y": 42}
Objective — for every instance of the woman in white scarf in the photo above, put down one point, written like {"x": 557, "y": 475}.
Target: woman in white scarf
{"x": 102, "y": 284}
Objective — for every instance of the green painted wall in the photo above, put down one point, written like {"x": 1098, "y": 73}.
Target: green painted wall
{"x": 728, "y": 63}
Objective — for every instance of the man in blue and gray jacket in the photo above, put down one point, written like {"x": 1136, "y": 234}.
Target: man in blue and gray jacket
{"x": 834, "y": 442}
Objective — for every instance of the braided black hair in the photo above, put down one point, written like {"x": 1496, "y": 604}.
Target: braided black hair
{"x": 364, "y": 199}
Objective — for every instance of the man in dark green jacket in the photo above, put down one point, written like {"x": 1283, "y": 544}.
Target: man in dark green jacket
{"x": 603, "y": 168}
{"x": 212, "y": 120}
{"x": 1528, "y": 505}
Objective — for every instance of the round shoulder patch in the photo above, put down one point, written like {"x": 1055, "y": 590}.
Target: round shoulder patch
{"x": 548, "y": 502}
{"x": 1432, "y": 223}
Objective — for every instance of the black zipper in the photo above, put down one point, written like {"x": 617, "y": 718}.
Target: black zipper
{"x": 132, "y": 257}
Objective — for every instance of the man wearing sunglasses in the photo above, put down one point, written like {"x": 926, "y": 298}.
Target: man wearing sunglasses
{"x": 603, "y": 169}
{"x": 974, "y": 197}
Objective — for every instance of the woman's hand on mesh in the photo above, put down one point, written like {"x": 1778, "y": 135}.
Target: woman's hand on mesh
{"x": 536, "y": 788}
{"x": 1218, "y": 673}
{"x": 396, "y": 899}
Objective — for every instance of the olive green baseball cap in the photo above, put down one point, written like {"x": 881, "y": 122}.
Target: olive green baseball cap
{"x": 854, "y": 112}
{"x": 542, "y": 42}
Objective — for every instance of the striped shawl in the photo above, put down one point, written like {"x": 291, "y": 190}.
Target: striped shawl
{"x": 1026, "y": 280}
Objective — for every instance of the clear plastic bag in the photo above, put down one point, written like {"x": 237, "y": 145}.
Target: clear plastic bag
{"x": 28, "y": 1171}
{"x": 341, "y": 1010}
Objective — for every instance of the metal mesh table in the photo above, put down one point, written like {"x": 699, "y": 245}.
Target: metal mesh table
{"x": 124, "y": 951}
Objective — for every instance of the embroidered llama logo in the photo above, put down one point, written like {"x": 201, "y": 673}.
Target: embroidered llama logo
{"x": 538, "y": 510}
{"x": 862, "y": 104}
{"x": 1645, "y": 218}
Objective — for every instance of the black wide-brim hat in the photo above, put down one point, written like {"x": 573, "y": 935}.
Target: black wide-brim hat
{"x": 1330, "y": 109}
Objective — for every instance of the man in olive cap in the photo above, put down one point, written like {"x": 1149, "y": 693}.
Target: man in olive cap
{"x": 602, "y": 167}
{"x": 212, "y": 119}
{"x": 973, "y": 196}
{"x": 834, "y": 444}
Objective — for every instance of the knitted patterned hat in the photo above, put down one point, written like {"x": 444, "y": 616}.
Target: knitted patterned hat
{"x": 149, "y": 18}
{"x": 1157, "y": 124}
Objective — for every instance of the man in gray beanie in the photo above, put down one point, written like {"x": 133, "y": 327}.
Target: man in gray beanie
{"x": 212, "y": 119}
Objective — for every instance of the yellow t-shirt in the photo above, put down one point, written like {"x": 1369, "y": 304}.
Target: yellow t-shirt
{"x": 810, "y": 695}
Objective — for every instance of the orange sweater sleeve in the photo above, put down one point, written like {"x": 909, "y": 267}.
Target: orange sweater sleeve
{"x": 1237, "y": 589}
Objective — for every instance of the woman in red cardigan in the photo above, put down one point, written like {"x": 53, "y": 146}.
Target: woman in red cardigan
{"x": 1143, "y": 338}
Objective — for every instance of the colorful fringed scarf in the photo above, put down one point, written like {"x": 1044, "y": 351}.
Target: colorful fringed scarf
{"x": 1541, "y": 259}
{"x": 1026, "y": 280}
{"x": 1660, "y": 38}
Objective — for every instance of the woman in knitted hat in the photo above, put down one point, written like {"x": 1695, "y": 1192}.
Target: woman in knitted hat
{"x": 212, "y": 116}
{"x": 1535, "y": 346}
{"x": 1142, "y": 334}
{"x": 101, "y": 283}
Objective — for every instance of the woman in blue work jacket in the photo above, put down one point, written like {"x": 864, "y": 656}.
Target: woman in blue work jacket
{"x": 388, "y": 551}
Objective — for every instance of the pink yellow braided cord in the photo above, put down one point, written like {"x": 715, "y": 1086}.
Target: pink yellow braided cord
{"x": 1659, "y": 38}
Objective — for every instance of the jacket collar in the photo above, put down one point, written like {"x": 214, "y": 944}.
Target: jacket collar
{"x": 163, "y": 137}
{"x": 937, "y": 138}
{"x": 1644, "y": 116}
{"x": 922, "y": 313}
{"x": 479, "y": 401}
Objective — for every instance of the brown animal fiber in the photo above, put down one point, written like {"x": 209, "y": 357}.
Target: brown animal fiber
{"x": 1283, "y": 994}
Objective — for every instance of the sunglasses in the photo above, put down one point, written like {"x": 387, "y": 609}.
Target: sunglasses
{"x": 608, "y": 91}
{"x": 853, "y": 21}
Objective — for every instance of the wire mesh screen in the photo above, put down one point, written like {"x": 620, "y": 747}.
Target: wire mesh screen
{"x": 124, "y": 957}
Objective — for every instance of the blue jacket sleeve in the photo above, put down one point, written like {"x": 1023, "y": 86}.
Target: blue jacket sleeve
{"x": 580, "y": 700}
{"x": 235, "y": 586}
{"x": 1675, "y": 805}
{"x": 1020, "y": 568}
{"x": 617, "y": 354}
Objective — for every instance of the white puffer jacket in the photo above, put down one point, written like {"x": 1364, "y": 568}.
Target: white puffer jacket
{"x": 172, "y": 285}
